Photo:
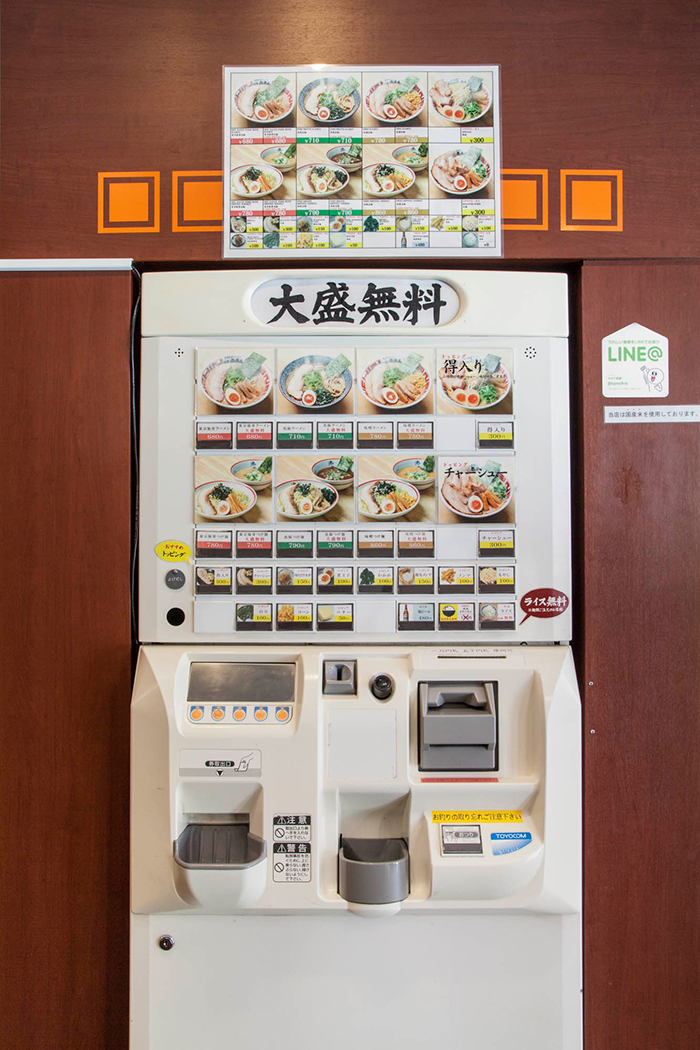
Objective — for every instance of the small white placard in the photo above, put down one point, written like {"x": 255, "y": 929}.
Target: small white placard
{"x": 635, "y": 363}
{"x": 640, "y": 414}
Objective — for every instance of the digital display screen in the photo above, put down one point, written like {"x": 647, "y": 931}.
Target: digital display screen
{"x": 241, "y": 683}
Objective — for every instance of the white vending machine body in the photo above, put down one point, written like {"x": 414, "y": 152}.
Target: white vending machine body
{"x": 355, "y": 698}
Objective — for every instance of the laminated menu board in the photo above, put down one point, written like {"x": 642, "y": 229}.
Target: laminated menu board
{"x": 378, "y": 480}
{"x": 362, "y": 161}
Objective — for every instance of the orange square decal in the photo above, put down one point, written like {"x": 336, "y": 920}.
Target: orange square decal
{"x": 128, "y": 202}
{"x": 525, "y": 194}
{"x": 197, "y": 201}
{"x": 591, "y": 200}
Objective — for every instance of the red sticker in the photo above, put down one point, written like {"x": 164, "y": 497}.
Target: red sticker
{"x": 543, "y": 602}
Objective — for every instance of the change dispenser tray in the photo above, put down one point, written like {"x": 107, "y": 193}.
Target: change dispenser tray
{"x": 373, "y": 871}
{"x": 228, "y": 846}
{"x": 457, "y": 726}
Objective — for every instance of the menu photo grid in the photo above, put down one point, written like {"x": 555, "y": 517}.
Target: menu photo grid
{"x": 349, "y": 159}
{"x": 284, "y": 511}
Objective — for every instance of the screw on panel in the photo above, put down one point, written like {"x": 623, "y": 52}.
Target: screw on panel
{"x": 591, "y": 730}
{"x": 166, "y": 942}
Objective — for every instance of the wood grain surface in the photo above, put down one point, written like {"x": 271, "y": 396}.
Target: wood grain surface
{"x": 608, "y": 87}
{"x": 641, "y": 492}
{"x": 66, "y": 661}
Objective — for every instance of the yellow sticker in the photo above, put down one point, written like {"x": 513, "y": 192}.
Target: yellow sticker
{"x": 478, "y": 816}
{"x": 171, "y": 550}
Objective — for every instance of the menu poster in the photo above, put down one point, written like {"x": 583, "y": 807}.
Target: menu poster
{"x": 476, "y": 490}
{"x": 228, "y": 489}
{"x": 365, "y": 161}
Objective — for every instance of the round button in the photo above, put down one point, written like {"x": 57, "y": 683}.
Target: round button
{"x": 381, "y": 686}
{"x": 282, "y": 714}
{"x": 239, "y": 714}
{"x": 175, "y": 579}
{"x": 260, "y": 714}
{"x": 175, "y": 617}
{"x": 196, "y": 713}
{"x": 218, "y": 713}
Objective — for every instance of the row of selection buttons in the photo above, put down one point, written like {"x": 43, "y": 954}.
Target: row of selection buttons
{"x": 214, "y": 713}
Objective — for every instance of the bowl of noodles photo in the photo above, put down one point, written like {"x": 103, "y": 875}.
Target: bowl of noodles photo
{"x": 330, "y": 100}
{"x": 473, "y": 492}
{"x": 232, "y": 382}
{"x": 396, "y": 382}
{"x": 316, "y": 381}
{"x": 460, "y": 101}
{"x": 255, "y": 180}
{"x": 474, "y": 383}
{"x": 387, "y": 180}
{"x": 223, "y": 500}
{"x": 305, "y": 499}
{"x": 264, "y": 101}
{"x": 384, "y": 499}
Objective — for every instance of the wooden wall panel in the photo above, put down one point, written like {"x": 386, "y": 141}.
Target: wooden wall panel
{"x": 66, "y": 661}
{"x": 121, "y": 86}
{"x": 641, "y": 493}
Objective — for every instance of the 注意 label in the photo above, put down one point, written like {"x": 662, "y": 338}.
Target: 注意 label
{"x": 214, "y": 544}
{"x": 253, "y": 579}
{"x": 253, "y": 435}
{"x": 339, "y": 543}
{"x": 415, "y": 616}
{"x": 295, "y": 617}
{"x": 334, "y": 617}
{"x": 375, "y": 435}
{"x": 295, "y": 435}
{"x": 414, "y": 435}
{"x": 254, "y": 617}
{"x": 376, "y": 580}
{"x": 418, "y": 543}
{"x": 496, "y": 543}
{"x": 254, "y": 543}
{"x": 336, "y": 579}
{"x": 457, "y": 617}
{"x": 456, "y": 579}
{"x": 334, "y": 435}
{"x": 214, "y": 435}
{"x": 374, "y": 544}
{"x": 215, "y": 579}
{"x": 496, "y": 579}
{"x": 415, "y": 579}
{"x": 294, "y": 544}
{"x": 494, "y": 435}
{"x": 295, "y": 580}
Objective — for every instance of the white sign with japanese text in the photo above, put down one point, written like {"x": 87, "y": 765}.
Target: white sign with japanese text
{"x": 639, "y": 414}
{"x": 635, "y": 363}
{"x": 346, "y": 302}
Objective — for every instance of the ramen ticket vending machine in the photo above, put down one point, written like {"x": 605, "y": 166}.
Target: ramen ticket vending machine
{"x": 355, "y": 698}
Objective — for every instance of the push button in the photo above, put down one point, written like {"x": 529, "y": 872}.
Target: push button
{"x": 282, "y": 714}
{"x": 196, "y": 713}
{"x": 260, "y": 714}
{"x": 218, "y": 713}
{"x": 239, "y": 714}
